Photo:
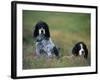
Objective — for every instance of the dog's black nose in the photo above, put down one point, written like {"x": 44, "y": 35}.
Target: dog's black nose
{"x": 82, "y": 52}
{"x": 42, "y": 32}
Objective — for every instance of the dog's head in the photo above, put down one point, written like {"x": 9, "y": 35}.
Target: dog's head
{"x": 41, "y": 28}
{"x": 80, "y": 49}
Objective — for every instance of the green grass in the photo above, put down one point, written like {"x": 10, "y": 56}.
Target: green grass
{"x": 66, "y": 29}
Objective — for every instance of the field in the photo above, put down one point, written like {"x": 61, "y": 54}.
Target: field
{"x": 66, "y": 30}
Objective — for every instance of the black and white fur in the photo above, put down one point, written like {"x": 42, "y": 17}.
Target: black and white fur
{"x": 80, "y": 49}
{"x": 44, "y": 43}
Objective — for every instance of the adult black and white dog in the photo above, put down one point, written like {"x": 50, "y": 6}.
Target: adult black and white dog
{"x": 44, "y": 43}
{"x": 80, "y": 49}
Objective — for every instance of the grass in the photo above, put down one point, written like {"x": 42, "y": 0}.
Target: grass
{"x": 66, "y": 30}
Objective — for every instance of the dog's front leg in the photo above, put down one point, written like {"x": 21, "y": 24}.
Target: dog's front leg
{"x": 49, "y": 54}
{"x": 47, "y": 50}
{"x": 37, "y": 50}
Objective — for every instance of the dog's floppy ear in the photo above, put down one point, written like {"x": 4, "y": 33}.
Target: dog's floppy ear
{"x": 86, "y": 51}
{"x": 47, "y": 33}
{"x": 75, "y": 50}
{"x": 35, "y": 32}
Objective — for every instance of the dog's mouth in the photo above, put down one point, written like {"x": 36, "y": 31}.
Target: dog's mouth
{"x": 40, "y": 37}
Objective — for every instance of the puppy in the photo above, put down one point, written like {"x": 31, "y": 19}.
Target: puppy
{"x": 80, "y": 49}
{"x": 43, "y": 41}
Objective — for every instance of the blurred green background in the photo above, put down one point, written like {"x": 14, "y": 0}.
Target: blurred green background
{"x": 66, "y": 30}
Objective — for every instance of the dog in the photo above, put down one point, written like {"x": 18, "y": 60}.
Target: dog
{"x": 44, "y": 44}
{"x": 80, "y": 49}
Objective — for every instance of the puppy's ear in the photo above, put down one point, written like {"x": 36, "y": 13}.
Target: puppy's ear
{"x": 35, "y": 32}
{"x": 47, "y": 33}
{"x": 75, "y": 50}
{"x": 86, "y": 52}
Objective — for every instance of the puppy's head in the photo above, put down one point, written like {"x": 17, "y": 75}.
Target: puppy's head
{"x": 41, "y": 28}
{"x": 80, "y": 49}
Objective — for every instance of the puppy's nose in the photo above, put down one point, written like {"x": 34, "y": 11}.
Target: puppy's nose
{"x": 42, "y": 31}
{"x": 82, "y": 52}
